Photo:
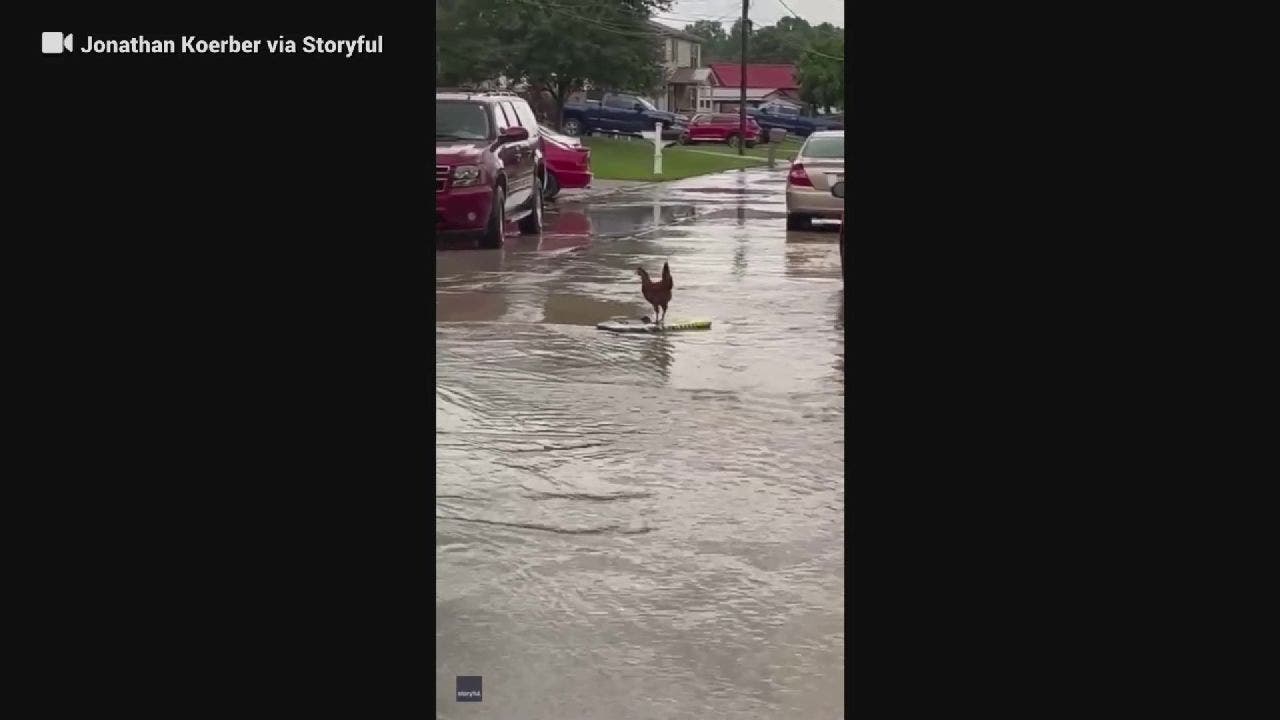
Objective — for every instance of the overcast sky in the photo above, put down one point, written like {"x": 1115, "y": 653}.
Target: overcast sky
{"x": 762, "y": 12}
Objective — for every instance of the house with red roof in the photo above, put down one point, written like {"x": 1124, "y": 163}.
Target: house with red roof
{"x": 765, "y": 83}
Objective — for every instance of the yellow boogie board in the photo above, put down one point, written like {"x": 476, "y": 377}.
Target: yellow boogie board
{"x": 641, "y": 326}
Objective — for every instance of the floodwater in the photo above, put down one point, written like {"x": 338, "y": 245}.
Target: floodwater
{"x": 643, "y": 526}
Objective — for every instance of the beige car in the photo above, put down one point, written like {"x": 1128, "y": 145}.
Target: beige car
{"x": 817, "y": 167}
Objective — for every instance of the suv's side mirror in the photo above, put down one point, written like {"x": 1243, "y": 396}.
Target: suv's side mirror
{"x": 838, "y": 189}
{"x": 513, "y": 134}
{"x": 637, "y": 106}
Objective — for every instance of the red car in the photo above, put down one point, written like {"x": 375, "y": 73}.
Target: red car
{"x": 489, "y": 166}
{"x": 568, "y": 163}
{"x": 720, "y": 128}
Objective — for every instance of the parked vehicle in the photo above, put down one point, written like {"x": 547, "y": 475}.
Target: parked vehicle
{"x": 618, "y": 113}
{"x": 568, "y": 163}
{"x": 816, "y": 168}
{"x": 788, "y": 118}
{"x": 837, "y": 190}
{"x": 720, "y": 128}
{"x": 489, "y": 166}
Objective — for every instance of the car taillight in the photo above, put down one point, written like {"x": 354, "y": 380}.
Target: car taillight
{"x": 798, "y": 176}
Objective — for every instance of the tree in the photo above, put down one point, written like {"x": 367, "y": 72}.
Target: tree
{"x": 709, "y": 30}
{"x": 784, "y": 42}
{"x": 716, "y": 45}
{"x": 780, "y": 43}
{"x": 821, "y": 72}
{"x": 559, "y": 46}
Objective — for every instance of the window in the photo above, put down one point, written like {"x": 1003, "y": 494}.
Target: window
{"x": 831, "y": 146}
{"x": 700, "y": 118}
{"x": 500, "y": 118}
{"x": 513, "y": 120}
{"x": 461, "y": 121}
{"x": 622, "y": 102}
{"x": 527, "y": 117}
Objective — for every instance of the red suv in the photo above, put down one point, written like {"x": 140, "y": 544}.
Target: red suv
{"x": 720, "y": 128}
{"x": 489, "y": 168}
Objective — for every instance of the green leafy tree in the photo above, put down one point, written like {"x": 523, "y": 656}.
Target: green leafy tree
{"x": 710, "y": 31}
{"x": 821, "y": 72}
{"x": 784, "y": 42}
{"x": 556, "y": 45}
{"x": 716, "y": 46}
{"x": 781, "y": 43}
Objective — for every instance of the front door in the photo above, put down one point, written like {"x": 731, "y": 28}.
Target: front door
{"x": 618, "y": 112}
{"x": 520, "y": 166}
{"x": 509, "y": 154}
{"x": 699, "y": 127}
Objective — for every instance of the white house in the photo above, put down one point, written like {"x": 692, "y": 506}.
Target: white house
{"x": 686, "y": 82}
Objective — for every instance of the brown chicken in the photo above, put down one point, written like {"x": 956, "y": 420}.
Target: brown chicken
{"x": 657, "y": 293}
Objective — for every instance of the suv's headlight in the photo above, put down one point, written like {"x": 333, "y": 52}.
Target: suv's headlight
{"x": 465, "y": 175}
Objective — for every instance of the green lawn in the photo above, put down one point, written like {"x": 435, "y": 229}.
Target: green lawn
{"x": 784, "y": 152}
{"x": 613, "y": 159}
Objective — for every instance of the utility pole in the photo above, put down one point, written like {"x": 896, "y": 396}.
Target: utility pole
{"x": 742, "y": 99}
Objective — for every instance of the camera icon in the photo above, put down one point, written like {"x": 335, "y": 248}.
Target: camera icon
{"x": 52, "y": 43}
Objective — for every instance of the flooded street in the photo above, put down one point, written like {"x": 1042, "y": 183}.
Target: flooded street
{"x": 643, "y": 525}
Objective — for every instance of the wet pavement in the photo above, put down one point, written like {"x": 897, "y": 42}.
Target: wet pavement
{"x": 643, "y": 526}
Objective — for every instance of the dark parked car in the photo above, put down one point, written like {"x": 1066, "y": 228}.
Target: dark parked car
{"x": 720, "y": 128}
{"x": 789, "y": 118}
{"x": 489, "y": 166}
{"x": 618, "y": 113}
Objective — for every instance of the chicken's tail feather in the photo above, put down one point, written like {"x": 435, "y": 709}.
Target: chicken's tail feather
{"x": 666, "y": 276}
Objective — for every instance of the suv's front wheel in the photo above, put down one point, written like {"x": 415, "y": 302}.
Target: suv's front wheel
{"x": 492, "y": 237}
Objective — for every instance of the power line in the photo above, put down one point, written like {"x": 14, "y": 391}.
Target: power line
{"x": 793, "y": 12}
{"x": 809, "y": 49}
{"x": 731, "y": 12}
{"x": 822, "y": 54}
{"x": 620, "y": 30}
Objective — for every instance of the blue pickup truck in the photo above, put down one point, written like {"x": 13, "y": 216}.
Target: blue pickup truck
{"x": 618, "y": 113}
{"x": 789, "y": 118}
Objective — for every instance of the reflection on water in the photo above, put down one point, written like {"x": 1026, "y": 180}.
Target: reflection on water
{"x": 640, "y": 526}
{"x": 569, "y": 309}
{"x": 633, "y": 218}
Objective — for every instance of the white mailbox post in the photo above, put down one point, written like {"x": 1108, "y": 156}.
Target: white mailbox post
{"x": 658, "y": 143}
